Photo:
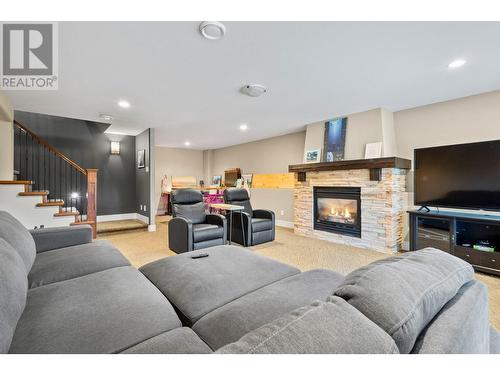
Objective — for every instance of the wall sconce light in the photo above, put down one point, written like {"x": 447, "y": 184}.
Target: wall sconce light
{"x": 115, "y": 148}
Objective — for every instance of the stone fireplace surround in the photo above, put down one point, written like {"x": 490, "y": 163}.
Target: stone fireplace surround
{"x": 382, "y": 200}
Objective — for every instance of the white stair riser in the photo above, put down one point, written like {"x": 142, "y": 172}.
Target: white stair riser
{"x": 25, "y": 210}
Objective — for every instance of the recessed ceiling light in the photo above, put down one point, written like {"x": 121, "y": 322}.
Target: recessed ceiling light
{"x": 212, "y": 30}
{"x": 124, "y": 104}
{"x": 243, "y": 127}
{"x": 456, "y": 63}
{"x": 187, "y": 143}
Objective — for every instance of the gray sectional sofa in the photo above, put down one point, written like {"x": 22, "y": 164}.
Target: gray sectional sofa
{"x": 61, "y": 292}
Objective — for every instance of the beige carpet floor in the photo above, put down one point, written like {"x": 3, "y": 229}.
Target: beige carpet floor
{"x": 142, "y": 247}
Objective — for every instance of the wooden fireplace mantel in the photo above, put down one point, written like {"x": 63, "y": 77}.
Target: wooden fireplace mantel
{"x": 374, "y": 165}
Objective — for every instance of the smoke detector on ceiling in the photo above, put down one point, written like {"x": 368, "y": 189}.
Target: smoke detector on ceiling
{"x": 212, "y": 30}
{"x": 253, "y": 90}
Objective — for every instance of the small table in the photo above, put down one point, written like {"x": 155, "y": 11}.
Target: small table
{"x": 231, "y": 208}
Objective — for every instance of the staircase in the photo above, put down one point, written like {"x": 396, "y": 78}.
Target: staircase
{"x": 49, "y": 189}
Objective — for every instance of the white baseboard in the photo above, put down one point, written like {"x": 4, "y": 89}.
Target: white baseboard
{"x": 142, "y": 218}
{"x": 283, "y": 223}
{"x": 131, "y": 216}
{"x": 103, "y": 218}
{"x": 152, "y": 228}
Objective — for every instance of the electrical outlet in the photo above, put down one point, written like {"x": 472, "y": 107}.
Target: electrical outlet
{"x": 282, "y": 212}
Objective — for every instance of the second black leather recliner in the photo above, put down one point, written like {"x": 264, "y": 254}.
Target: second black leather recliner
{"x": 191, "y": 228}
{"x": 258, "y": 225}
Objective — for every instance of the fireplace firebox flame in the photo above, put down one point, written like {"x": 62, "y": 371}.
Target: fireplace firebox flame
{"x": 338, "y": 212}
{"x": 347, "y": 214}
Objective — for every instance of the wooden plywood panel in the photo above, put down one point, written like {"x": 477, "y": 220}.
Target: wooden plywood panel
{"x": 183, "y": 181}
{"x": 273, "y": 181}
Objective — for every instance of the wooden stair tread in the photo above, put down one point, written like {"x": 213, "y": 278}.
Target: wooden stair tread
{"x": 67, "y": 213}
{"x": 50, "y": 204}
{"x": 84, "y": 222}
{"x": 21, "y": 182}
{"x": 34, "y": 193}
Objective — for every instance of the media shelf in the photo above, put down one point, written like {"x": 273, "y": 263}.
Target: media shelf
{"x": 474, "y": 238}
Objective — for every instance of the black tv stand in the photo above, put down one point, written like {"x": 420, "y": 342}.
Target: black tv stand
{"x": 473, "y": 237}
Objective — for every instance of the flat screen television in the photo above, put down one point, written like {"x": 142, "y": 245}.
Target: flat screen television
{"x": 463, "y": 176}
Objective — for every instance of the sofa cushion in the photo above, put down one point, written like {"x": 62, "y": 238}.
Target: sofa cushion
{"x": 105, "y": 312}
{"x": 260, "y": 225}
{"x": 230, "y": 322}
{"x": 12, "y": 231}
{"x": 402, "y": 294}
{"x": 13, "y": 288}
{"x": 206, "y": 232}
{"x": 74, "y": 261}
{"x": 333, "y": 327}
{"x": 461, "y": 327}
{"x": 198, "y": 286}
{"x": 177, "y": 341}
{"x": 194, "y": 212}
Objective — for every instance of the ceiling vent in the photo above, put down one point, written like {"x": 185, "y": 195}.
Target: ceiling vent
{"x": 212, "y": 30}
{"x": 253, "y": 90}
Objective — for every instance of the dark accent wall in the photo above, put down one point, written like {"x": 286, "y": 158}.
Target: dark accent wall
{"x": 86, "y": 143}
{"x": 142, "y": 175}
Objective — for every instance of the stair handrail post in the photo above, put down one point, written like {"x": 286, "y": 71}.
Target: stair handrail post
{"x": 92, "y": 199}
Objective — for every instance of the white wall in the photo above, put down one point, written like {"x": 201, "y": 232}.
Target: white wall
{"x": 272, "y": 155}
{"x": 208, "y": 162}
{"x": 389, "y": 143}
{"x": 376, "y": 125}
{"x": 362, "y": 128}
{"x": 25, "y": 210}
{"x": 175, "y": 162}
{"x": 470, "y": 119}
{"x": 6, "y": 138}
{"x": 314, "y": 139}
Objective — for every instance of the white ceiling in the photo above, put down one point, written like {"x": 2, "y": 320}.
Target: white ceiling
{"x": 187, "y": 87}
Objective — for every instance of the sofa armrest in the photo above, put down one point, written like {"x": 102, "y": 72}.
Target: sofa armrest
{"x": 219, "y": 220}
{"x": 263, "y": 214}
{"x": 180, "y": 235}
{"x": 55, "y": 238}
{"x": 237, "y": 230}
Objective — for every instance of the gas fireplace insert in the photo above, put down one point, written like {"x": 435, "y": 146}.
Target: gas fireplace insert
{"x": 338, "y": 210}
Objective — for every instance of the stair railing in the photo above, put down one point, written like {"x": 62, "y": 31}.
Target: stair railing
{"x": 50, "y": 170}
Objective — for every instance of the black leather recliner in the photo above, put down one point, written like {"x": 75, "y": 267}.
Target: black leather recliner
{"x": 191, "y": 228}
{"x": 258, "y": 225}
